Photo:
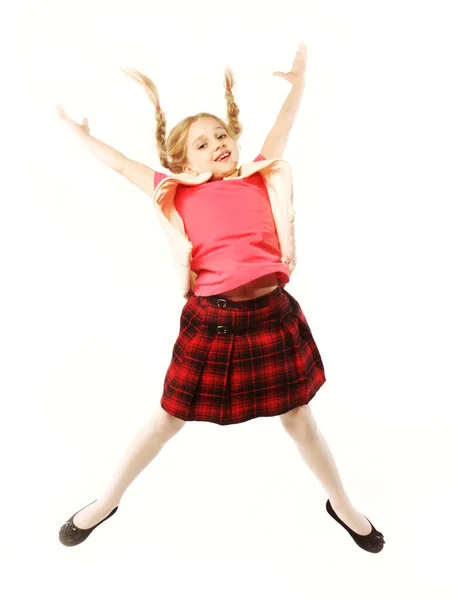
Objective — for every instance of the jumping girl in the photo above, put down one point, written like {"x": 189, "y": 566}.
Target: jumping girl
{"x": 245, "y": 349}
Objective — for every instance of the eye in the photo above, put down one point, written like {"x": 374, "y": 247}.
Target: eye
{"x": 219, "y": 137}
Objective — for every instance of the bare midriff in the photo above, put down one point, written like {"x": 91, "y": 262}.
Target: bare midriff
{"x": 253, "y": 289}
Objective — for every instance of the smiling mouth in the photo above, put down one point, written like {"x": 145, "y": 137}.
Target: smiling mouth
{"x": 224, "y": 159}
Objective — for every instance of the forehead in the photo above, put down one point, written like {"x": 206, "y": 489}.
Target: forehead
{"x": 203, "y": 126}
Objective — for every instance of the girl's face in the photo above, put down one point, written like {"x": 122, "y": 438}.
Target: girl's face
{"x": 207, "y": 140}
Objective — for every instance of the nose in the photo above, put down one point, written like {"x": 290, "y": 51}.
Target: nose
{"x": 220, "y": 148}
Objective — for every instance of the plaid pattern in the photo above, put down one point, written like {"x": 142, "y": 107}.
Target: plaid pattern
{"x": 236, "y": 361}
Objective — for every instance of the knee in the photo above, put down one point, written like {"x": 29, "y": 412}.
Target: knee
{"x": 166, "y": 424}
{"x": 299, "y": 421}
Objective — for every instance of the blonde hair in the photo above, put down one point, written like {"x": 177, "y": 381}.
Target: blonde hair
{"x": 172, "y": 152}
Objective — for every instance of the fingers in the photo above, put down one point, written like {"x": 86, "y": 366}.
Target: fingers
{"x": 286, "y": 76}
{"x": 61, "y": 112}
{"x": 301, "y": 53}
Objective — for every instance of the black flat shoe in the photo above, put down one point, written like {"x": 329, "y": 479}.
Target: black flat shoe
{"x": 372, "y": 542}
{"x": 71, "y": 535}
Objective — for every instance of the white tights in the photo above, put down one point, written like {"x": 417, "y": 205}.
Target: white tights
{"x": 299, "y": 423}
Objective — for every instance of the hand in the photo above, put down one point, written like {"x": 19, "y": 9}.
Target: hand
{"x": 79, "y": 128}
{"x": 297, "y": 74}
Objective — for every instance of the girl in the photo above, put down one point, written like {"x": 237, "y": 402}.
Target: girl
{"x": 245, "y": 349}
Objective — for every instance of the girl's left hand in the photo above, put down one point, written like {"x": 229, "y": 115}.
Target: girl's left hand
{"x": 296, "y": 75}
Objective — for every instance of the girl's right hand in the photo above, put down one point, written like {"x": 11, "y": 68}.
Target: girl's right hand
{"x": 77, "y": 127}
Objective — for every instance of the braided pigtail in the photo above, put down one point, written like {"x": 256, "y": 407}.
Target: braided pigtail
{"x": 232, "y": 108}
{"x": 152, "y": 93}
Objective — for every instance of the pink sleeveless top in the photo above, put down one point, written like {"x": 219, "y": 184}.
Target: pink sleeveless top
{"x": 231, "y": 227}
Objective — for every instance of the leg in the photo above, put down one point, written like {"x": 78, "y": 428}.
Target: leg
{"x": 302, "y": 428}
{"x": 147, "y": 443}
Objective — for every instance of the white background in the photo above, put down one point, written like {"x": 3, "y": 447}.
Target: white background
{"x": 91, "y": 304}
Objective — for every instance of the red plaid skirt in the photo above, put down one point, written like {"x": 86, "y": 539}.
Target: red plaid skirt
{"x": 238, "y": 360}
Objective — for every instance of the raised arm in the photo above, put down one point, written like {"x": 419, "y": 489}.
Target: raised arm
{"x": 139, "y": 174}
{"x": 277, "y": 138}
{"x": 103, "y": 152}
{"x": 135, "y": 172}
